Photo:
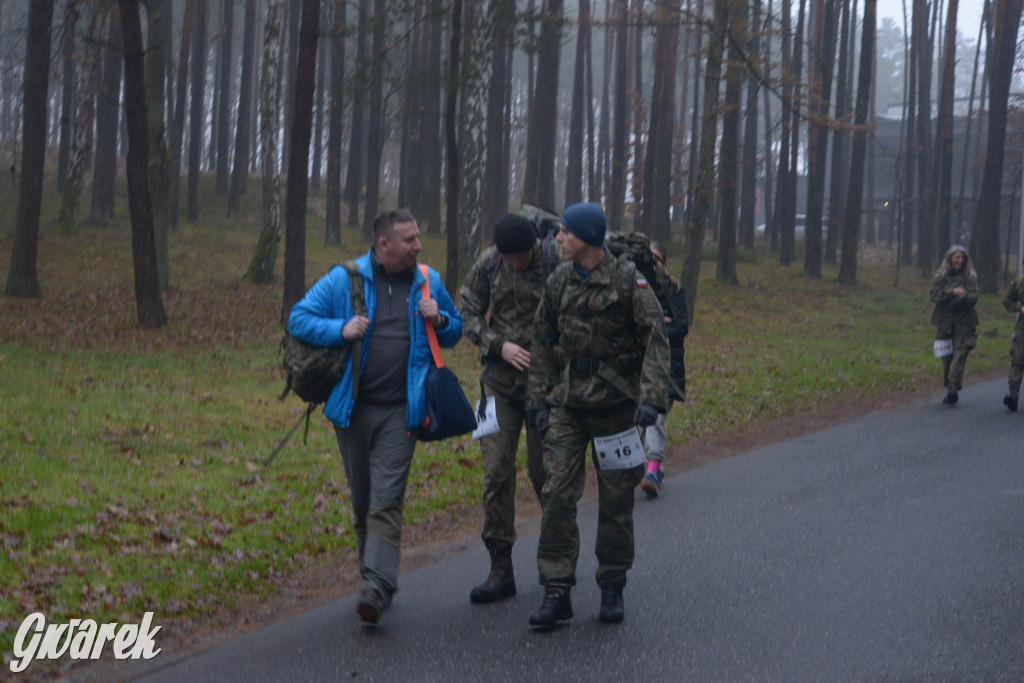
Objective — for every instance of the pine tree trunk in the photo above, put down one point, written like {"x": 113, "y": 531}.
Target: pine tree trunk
{"x": 375, "y": 118}
{"x": 240, "y": 167}
{"x": 357, "y": 138}
{"x": 67, "y": 221}
{"x": 495, "y": 194}
{"x": 617, "y": 184}
{"x": 196, "y": 115}
{"x": 728, "y": 162}
{"x": 264, "y": 258}
{"x": 944, "y": 132}
{"x": 854, "y": 195}
{"x": 224, "y": 98}
{"x": 542, "y": 127}
{"x": 451, "y": 277}
{"x": 704, "y": 187}
{"x": 147, "y": 282}
{"x": 22, "y": 280}
{"x": 657, "y": 201}
{"x": 155, "y": 72}
{"x": 332, "y": 229}
{"x": 67, "y": 115}
{"x": 107, "y": 114}
{"x": 298, "y": 162}
{"x": 986, "y": 219}
{"x": 574, "y": 158}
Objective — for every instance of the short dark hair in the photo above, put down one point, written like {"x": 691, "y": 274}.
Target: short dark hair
{"x": 385, "y": 222}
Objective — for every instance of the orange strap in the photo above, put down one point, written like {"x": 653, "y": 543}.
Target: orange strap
{"x": 435, "y": 347}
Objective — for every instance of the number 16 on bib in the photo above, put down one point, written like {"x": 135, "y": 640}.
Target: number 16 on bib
{"x": 619, "y": 451}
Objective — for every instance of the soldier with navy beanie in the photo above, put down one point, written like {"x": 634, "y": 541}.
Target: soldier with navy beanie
{"x": 587, "y": 221}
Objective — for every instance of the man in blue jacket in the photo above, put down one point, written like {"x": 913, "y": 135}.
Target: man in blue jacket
{"x": 376, "y": 424}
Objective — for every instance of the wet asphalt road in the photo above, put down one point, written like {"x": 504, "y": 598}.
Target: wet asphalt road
{"x": 888, "y": 548}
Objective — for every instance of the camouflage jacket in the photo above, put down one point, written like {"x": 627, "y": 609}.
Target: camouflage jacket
{"x": 1014, "y": 300}
{"x": 950, "y": 309}
{"x": 498, "y": 306}
{"x": 599, "y": 340}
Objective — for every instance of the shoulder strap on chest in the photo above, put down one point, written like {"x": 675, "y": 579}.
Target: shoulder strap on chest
{"x": 355, "y": 283}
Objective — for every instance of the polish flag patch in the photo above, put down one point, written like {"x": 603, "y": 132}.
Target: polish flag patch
{"x": 641, "y": 282}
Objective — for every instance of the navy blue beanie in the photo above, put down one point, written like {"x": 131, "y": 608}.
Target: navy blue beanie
{"x": 587, "y": 222}
{"x": 514, "y": 234}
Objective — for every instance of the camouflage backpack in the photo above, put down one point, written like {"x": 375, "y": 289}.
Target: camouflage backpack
{"x": 636, "y": 247}
{"x": 311, "y": 372}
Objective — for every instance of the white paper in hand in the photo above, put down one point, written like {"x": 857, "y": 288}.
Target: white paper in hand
{"x": 488, "y": 425}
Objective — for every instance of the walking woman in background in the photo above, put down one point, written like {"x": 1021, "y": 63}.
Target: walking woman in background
{"x": 955, "y": 292}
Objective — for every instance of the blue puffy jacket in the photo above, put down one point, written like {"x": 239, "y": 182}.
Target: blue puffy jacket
{"x": 318, "y": 318}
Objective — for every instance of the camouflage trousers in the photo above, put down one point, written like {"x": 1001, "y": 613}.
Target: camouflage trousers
{"x": 1016, "y": 360}
{"x": 565, "y": 449}
{"x": 965, "y": 338}
{"x": 499, "y": 461}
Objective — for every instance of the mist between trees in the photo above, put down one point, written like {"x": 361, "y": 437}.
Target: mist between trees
{"x": 802, "y": 127}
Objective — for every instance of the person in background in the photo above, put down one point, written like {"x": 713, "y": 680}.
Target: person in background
{"x": 376, "y": 414}
{"x": 499, "y": 301}
{"x": 677, "y": 326}
{"x": 1014, "y": 303}
{"x": 954, "y": 290}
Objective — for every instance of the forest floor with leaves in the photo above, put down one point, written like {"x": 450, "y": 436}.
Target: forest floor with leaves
{"x": 132, "y": 466}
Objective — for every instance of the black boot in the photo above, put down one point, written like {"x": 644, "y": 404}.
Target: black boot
{"x": 951, "y": 397}
{"x": 501, "y": 582}
{"x": 1010, "y": 401}
{"x": 612, "y": 608}
{"x": 555, "y": 608}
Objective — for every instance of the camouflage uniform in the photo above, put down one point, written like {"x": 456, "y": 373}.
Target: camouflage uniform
{"x": 511, "y": 299}
{"x": 599, "y": 350}
{"x": 1012, "y": 302}
{"x": 955, "y": 319}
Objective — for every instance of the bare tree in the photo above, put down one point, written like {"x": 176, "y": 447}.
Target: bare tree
{"x": 298, "y": 162}
{"x": 357, "y": 137}
{"x": 22, "y": 280}
{"x": 147, "y": 285}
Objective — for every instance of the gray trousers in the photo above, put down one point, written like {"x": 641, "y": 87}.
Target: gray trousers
{"x": 656, "y": 437}
{"x": 377, "y": 451}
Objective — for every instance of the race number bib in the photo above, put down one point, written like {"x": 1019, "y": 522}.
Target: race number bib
{"x": 619, "y": 451}
{"x": 488, "y": 425}
{"x": 943, "y": 348}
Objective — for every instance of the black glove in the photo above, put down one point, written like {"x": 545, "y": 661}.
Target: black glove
{"x": 538, "y": 418}
{"x": 645, "y": 416}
